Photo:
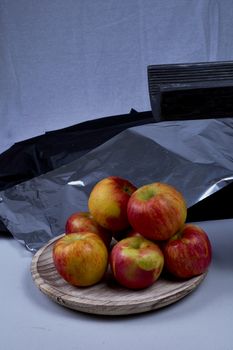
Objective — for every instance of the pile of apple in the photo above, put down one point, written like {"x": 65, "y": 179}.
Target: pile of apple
{"x": 137, "y": 232}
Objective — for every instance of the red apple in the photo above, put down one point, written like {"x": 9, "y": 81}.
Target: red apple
{"x": 188, "y": 253}
{"x": 136, "y": 262}
{"x": 108, "y": 202}
{"x": 157, "y": 211}
{"x": 83, "y": 222}
{"x": 81, "y": 258}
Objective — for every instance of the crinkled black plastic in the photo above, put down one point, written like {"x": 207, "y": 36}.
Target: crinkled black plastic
{"x": 195, "y": 156}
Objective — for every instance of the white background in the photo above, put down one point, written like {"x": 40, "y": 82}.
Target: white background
{"x": 63, "y": 62}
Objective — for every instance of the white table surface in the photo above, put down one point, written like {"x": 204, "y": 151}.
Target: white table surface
{"x": 201, "y": 320}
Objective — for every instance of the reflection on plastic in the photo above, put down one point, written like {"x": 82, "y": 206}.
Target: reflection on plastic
{"x": 195, "y": 156}
{"x": 76, "y": 183}
{"x": 216, "y": 187}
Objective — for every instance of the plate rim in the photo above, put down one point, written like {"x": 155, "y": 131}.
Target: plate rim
{"x": 102, "y": 308}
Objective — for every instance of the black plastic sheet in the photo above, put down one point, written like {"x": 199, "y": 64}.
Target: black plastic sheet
{"x": 195, "y": 156}
{"x": 38, "y": 155}
{"x": 186, "y": 140}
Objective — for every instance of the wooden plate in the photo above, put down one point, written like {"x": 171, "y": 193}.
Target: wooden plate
{"x": 106, "y": 297}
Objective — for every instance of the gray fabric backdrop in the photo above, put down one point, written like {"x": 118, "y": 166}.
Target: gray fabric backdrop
{"x": 63, "y": 62}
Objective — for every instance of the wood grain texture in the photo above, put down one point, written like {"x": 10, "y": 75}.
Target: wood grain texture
{"x": 106, "y": 297}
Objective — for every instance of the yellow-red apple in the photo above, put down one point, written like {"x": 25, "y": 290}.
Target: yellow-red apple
{"x": 84, "y": 222}
{"x": 157, "y": 211}
{"x": 81, "y": 258}
{"x": 136, "y": 262}
{"x": 108, "y": 202}
{"x": 188, "y": 253}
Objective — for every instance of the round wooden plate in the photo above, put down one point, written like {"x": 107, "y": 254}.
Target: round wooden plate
{"x": 106, "y": 297}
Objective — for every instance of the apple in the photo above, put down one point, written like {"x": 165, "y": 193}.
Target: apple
{"x": 157, "y": 211}
{"x": 136, "y": 262}
{"x": 108, "y": 202}
{"x": 80, "y": 258}
{"x": 133, "y": 233}
{"x": 83, "y": 222}
{"x": 188, "y": 253}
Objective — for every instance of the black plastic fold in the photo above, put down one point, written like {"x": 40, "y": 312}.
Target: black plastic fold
{"x": 195, "y": 156}
{"x": 38, "y": 155}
